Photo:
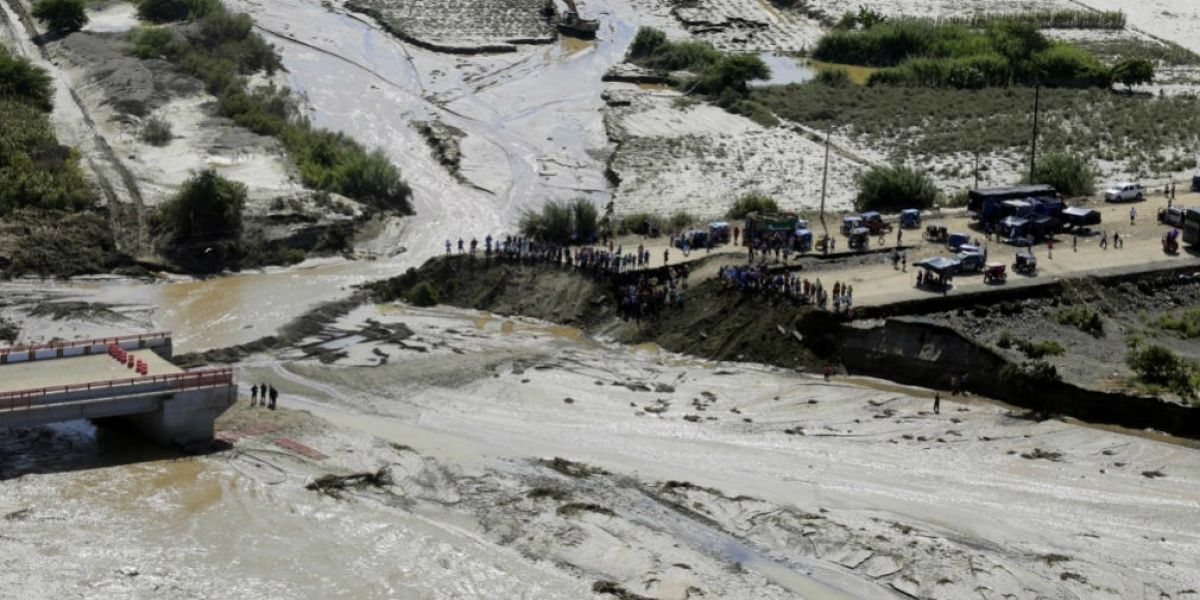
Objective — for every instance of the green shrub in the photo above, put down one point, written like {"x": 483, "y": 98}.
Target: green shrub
{"x": 561, "y": 222}
{"x": 586, "y": 219}
{"x": 156, "y": 131}
{"x": 152, "y": 42}
{"x": 61, "y": 16}
{"x": 639, "y": 223}
{"x": 647, "y": 41}
{"x": 732, "y": 72}
{"x": 35, "y": 170}
{"x": 1082, "y": 318}
{"x": 1158, "y": 366}
{"x": 422, "y": 294}
{"x": 1040, "y": 349}
{"x": 22, "y": 81}
{"x": 1133, "y": 71}
{"x": 833, "y": 77}
{"x": 165, "y": 11}
{"x": 752, "y": 202}
{"x": 681, "y": 220}
{"x": 1186, "y": 323}
{"x": 203, "y": 222}
{"x": 893, "y": 189}
{"x": 1068, "y": 174}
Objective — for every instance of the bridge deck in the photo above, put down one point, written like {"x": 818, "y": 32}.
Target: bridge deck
{"x": 77, "y": 370}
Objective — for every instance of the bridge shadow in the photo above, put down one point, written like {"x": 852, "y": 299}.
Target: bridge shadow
{"x": 76, "y": 446}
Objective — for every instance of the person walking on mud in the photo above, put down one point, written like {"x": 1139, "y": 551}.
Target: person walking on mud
{"x": 274, "y": 396}
{"x": 937, "y": 403}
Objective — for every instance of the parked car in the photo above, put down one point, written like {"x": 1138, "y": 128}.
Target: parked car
{"x": 1196, "y": 182}
{"x": 954, "y": 240}
{"x": 1124, "y": 192}
{"x": 969, "y": 262}
{"x": 1172, "y": 216}
{"x": 851, "y": 223}
{"x": 910, "y": 218}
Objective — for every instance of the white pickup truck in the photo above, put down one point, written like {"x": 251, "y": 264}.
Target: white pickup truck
{"x": 1124, "y": 192}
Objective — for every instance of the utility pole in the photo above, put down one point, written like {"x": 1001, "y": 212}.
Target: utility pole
{"x": 977, "y": 167}
{"x": 1037, "y": 94}
{"x": 825, "y": 182}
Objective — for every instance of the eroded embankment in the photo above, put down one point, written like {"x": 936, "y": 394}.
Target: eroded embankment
{"x": 723, "y": 326}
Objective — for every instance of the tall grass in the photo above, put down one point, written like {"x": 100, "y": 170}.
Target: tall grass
{"x": 561, "y": 222}
{"x": 1044, "y": 19}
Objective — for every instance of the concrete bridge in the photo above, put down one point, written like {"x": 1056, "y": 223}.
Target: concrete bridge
{"x": 65, "y": 381}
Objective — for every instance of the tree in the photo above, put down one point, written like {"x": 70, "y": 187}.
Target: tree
{"x": 61, "y": 16}
{"x": 733, "y": 72}
{"x": 205, "y": 222}
{"x": 646, "y": 42}
{"x": 1068, "y": 174}
{"x": 1133, "y": 71}
{"x": 750, "y": 203}
{"x": 894, "y": 188}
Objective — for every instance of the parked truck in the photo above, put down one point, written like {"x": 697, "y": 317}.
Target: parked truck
{"x": 1191, "y": 227}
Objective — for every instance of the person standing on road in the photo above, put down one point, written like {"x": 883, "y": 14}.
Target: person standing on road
{"x": 1117, "y": 239}
{"x": 899, "y": 236}
{"x": 1050, "y": 249}
{"x": 828, "y": 372}
{"x": 1074, "y": 243}
{"x": 736, "y": 231}
{"x": 937, "y": 403}
{"x": 1132, "y": 215}
{"x": 903, "y": 262}
{"x": 254, "y": 395}
{"x": 274, "y": 395}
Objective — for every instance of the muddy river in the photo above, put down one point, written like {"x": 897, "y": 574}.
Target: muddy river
{"x": 681, "y": 477}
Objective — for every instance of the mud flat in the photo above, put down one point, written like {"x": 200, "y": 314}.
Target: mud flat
{"x": 462, "y": 26}
{"x": 676, "y": 155}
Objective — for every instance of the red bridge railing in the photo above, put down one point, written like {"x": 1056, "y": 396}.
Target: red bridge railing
{"x": 34, "y": 348}
{"x": 27, "y": 399}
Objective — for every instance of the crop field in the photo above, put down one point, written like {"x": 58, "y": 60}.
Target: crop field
{"x": 461, "y": 23}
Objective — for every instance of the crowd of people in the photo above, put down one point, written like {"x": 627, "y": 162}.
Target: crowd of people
{"x": 757, "y": 279}
{"x": 601, "y": 259}
{"x": 647, "y": 296}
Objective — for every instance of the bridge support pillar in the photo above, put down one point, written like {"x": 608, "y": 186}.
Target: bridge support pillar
{"x": 187, "y": 417}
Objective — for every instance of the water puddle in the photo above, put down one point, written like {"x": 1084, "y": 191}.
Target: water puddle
{"x": 786, "y": 69}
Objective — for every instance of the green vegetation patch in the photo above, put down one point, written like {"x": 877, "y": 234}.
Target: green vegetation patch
{"x": 1082, "y": 318}
{"x": 221, "y": 49}
{"x": 1069, "y": 174}
{"x": 895, "y": 188}
{"x": 1148, "y": 134}
{"x": 1045, "y": 19}
{"x": 722, "y": 77}
{"x": 1161, "y": 52}
{"x": 1186, "y": 323}
{"x": 562, "y": 222}
{"x": 928, "y": 54}
{"x": 1160, "y": 368}
{"x": 752, "y": 202}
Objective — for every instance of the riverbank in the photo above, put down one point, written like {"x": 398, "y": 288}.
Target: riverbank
{"x": 933, "y": 348}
